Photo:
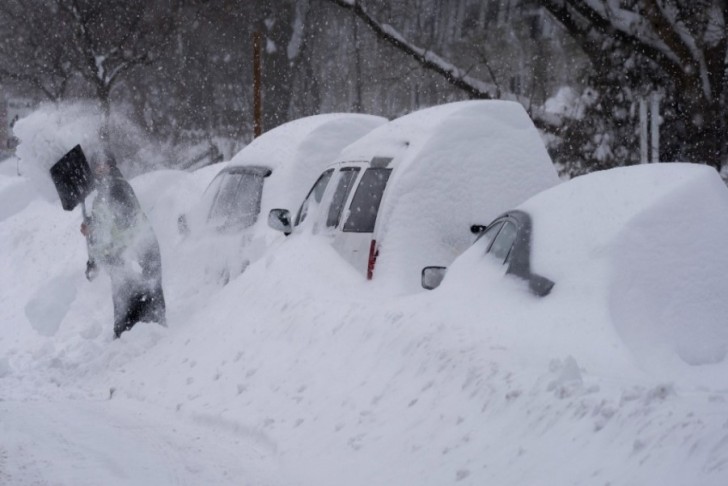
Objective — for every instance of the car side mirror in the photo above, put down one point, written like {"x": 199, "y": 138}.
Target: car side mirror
{"x": 280, "y": 220}
{"x": 476, "y": 229}
{"x": 432, "y": 277}
{"x": 541, "y": 286}
{"x": 183, "y": 226}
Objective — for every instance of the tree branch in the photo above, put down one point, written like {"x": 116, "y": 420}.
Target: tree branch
{"x": 565, "y": 12}
{"x": 428, "y": 60}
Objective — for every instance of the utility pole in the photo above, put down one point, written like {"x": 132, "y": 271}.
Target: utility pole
{"x": 257, "y": 69}
{"x": 650, "y": 129}
{"x": 357, "y": 108}
{"x": 644, "y": 149}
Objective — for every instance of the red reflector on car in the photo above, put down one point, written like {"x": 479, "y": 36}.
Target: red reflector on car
{"x": 373, "y": 253}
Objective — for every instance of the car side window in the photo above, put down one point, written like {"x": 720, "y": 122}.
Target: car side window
{"x": 314, "y": 195}
{"x": 346, "y": 181}
{"x": 367, "y": 198}
{"x": 224, "y": 196}
{"x": 501, "y": 246}
{"x": 237, "y": 201}
{"x": 487, "y": 236}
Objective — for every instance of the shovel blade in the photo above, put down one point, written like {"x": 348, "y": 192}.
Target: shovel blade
{"x": 73, "y": 178}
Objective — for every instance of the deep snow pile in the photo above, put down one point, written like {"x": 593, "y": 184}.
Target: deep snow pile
{"x": 648, "y": 240}
{"x": 304, "y": 371}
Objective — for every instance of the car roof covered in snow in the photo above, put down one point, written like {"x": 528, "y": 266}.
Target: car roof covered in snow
{"x": 585, "y": 215}
{"x": 299, "y": 150}
{"x": 650, "y": 241}
{"x": 455, "y": 165}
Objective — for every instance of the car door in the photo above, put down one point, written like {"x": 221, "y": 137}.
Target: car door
{"x": 356, "y": 230}
{"x": 314, "y": 197}
{"x": 334, "y": 204}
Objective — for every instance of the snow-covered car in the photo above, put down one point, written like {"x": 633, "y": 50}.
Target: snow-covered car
{"x": 507, "y": 240}
{"x": 274, "y": 171}
{"x": 404, "y": 194}
{"x": 645, "y": 243}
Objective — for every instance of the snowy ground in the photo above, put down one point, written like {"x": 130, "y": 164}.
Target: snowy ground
{"x": 300, "y": 373}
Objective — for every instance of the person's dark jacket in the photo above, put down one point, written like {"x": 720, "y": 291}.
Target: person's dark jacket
{"x": 119, "y": 229}
{"x": 123, "y": 242}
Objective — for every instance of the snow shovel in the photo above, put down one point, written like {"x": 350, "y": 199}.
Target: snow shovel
{"x": 74, "y": 181}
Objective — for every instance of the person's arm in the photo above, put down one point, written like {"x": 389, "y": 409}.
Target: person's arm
{"x": 92, "y": 270}
{"x": 126, "y": 205}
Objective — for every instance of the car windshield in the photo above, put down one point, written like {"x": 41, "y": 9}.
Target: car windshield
{"x": 314, "y": 195}
{"x": 365, "y": 204}
{"x": 237, "y": 199}
{"x": 501, "y": 247}
{"x": 487, "y": 236}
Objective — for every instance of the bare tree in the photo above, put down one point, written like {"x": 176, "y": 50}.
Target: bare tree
{"x": 32, "y": 53}
{"x": 56, "y": 45}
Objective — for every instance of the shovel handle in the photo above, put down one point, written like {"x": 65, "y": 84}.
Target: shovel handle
{"x": 84, "y": 212}
{"x": 87, "y": 220}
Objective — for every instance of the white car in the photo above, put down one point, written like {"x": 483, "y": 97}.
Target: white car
{"x": 404, "y": 194}
{"x": 275, "y": 170}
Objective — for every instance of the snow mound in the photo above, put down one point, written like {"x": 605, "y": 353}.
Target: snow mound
{"x": 49, "y": 305}
{"x": 648, "y": 240}
{"x": 15, "y": 194}
{"x": 302, "y": 367}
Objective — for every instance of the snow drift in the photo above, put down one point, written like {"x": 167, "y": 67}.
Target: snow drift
{"x": 298, "y": 372}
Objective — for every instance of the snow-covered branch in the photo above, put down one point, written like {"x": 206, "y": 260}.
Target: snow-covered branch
{"x": 456, "y": 76}
{"x": 429, "y": 60}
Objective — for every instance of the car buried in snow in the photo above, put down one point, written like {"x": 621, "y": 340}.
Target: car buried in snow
{"x": 402, "y": 195}
{"x": 507, "y": 241}
{"x": 223, "y": 232}
{"x": 643, "y": 244}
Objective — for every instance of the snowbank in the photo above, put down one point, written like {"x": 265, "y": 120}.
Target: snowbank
{"x": 646, "y": 242}
{"x": 298, "y": 372}
{"x": 15, "y": 192}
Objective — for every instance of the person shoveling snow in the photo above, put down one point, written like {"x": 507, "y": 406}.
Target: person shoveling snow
{"x": 123, "y": 242}
{"x": 120, "y": 238}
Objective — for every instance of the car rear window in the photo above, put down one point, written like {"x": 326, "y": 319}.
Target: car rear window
{"x": 346, "y": 180}
{"x": 367, "y": 198}
{"x": 237, "y": 201}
